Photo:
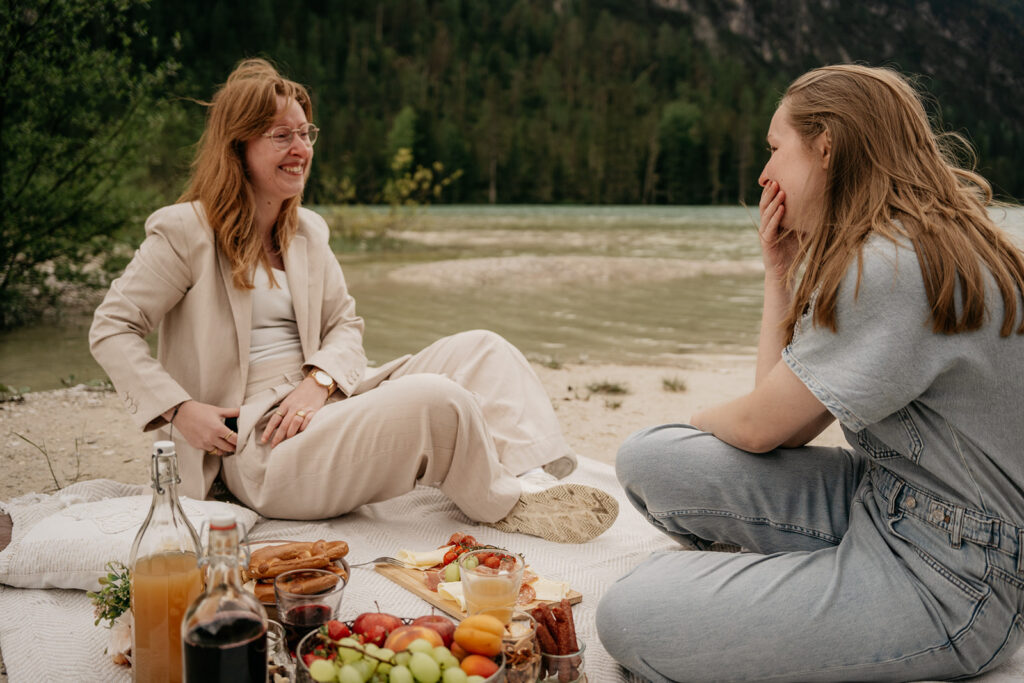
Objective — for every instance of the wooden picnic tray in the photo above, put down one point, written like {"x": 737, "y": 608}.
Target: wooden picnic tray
{"x": 412, "y": 581}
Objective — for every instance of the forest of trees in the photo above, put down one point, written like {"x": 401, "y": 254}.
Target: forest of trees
{"x": 577, "y": 101}
{"x": 519, "y": 101}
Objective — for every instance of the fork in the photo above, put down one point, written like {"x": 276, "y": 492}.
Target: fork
{"x": 385, "y": 560}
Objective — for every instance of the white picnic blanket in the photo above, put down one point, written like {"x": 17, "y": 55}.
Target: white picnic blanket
{"x": 49, "y": 634}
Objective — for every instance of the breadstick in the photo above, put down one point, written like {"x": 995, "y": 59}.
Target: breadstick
{"x": 308, "y": 585}
{"x": 337, "y": 549}
{"x": 285, "y": 551}
{"x": 272, "y": 568}
{"x": 264, "y": 591}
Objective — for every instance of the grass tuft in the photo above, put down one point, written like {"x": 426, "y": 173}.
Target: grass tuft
{"x": 674, "y": 384}
{"x": 607, "y": 388}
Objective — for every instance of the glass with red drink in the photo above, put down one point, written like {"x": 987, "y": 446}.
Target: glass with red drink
{"x": 306, "y": 600}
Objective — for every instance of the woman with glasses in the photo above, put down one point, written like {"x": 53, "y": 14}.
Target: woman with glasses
{"x": 261, "y": 373}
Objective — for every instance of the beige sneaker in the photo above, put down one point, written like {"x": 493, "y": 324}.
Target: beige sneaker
{"x": 566, "y": 513}
{"x": 560, "y": 468}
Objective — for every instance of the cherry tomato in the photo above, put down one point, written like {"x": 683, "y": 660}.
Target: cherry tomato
{"x": 492, "y": 561}
{"x": 337, "y": 630}
{"x": 483, "y": 557}
{"x": 449, "y": 556}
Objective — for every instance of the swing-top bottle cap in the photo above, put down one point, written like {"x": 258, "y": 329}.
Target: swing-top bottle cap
{"x": 222, "y": 521}
{"x": 163, "y": 448}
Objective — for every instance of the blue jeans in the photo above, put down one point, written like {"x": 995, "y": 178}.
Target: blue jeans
{"x": 849, "y": 573}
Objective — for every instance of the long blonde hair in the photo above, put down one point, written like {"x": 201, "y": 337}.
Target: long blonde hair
{"x": 890, "y": 173}
{"x": 242, "y": 109}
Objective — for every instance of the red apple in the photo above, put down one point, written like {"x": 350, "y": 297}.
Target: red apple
{"x": 403, "y": 635}
{"x": 444, "y": 626}
{"x": 375, "y": 627}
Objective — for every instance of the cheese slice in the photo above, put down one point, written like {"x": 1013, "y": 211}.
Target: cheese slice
{"x": 547, "y": 591}
{"x": 550, "y": 591}
{"x": 453, "y": 591}
{"x": 423, "y": 559}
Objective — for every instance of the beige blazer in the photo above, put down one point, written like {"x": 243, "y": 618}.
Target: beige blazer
{"x": 178, "y": 280}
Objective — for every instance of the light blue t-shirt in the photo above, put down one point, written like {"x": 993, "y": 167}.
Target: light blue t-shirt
{"x": 945, "y": 412}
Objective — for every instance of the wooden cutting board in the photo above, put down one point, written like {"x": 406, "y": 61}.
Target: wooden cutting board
{"x": 412, "y": 581}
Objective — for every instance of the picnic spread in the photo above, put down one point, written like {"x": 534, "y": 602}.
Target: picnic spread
{"x": 61, "y": 542}
{"x": 419, "y": 520}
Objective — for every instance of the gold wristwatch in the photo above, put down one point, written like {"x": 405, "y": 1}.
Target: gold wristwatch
{"x": 324, "y": 380}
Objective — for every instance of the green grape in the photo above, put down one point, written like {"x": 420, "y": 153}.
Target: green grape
{"x": 349, "y": 650}
{"x": 471, "y": 562}
{"x": 439, "y": 653}
{"x": 400, "y": 674}
{"x": 349, "y": 674}
{"x": 424, "y": 668}
{"x": 421, "y": 645}
{"x": 371, "y": 649}
{"x": 449, "y": 662}
{"x": 451, "y": 573}
{"x": 403, "y": 658}
{"x": 322, "y": 670}
{"x": 348, "y": 655}
{"x": 455, "y": 675}
{"x": 365, "y": 667}
{"x": 388, "y": 657}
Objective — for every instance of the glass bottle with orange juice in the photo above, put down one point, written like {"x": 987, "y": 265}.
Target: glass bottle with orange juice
{"x": 165, "y": 575}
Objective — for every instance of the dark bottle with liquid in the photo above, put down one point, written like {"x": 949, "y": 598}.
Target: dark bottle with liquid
{"x": 224, "y": 632}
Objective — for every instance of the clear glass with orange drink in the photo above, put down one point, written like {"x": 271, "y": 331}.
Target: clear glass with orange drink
{"x": 491, "y": 579}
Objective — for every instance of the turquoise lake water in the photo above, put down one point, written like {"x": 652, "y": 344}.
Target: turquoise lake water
{"x": 601, "y": 284}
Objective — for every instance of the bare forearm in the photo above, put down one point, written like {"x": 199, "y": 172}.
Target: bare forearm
{"x": 780, "y": 412}
{"x": 772, "y": 338}
{"x": 810, "y": 432}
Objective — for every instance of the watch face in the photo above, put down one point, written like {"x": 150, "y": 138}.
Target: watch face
{"x": 322, "y": 378}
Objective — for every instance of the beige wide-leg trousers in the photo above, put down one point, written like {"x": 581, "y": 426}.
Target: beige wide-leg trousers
{"x": 466, "y": 414}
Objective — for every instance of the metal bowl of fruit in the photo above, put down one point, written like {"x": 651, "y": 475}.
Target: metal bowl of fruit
{"x": 381, "y": 647}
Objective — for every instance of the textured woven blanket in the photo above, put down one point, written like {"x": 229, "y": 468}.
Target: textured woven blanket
{"x": 49, "y": 634}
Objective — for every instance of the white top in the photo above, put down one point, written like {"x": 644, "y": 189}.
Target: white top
{"x": 274, "y": 331}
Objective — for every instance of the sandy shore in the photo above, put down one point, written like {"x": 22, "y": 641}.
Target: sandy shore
{"x": 86, "y": 434}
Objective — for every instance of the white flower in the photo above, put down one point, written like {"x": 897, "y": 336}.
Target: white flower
{"x": 119, "y": 642}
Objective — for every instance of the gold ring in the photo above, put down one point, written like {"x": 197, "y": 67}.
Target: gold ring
{"x": 214, "y": 451}
{"x": 278, "y": 412}
{"x": 227, "y": 436}
{"x": 300, "y": 413}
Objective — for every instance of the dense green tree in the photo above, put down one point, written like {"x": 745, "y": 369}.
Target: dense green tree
{"x": 75, "y": 92}
{"x": 574, "y": 101}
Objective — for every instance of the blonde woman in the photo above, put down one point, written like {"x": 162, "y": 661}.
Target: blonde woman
{"x": 261, "y": 370}
{"x": 892, "y": 304}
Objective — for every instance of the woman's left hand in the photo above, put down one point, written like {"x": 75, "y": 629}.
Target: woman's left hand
{"x": 295, "y": 412}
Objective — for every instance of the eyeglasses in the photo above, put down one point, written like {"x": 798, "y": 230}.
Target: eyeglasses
{"x": 282, "y": 136}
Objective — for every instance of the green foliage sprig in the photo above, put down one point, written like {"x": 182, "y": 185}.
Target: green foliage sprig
{"x": 114, "y": 597}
